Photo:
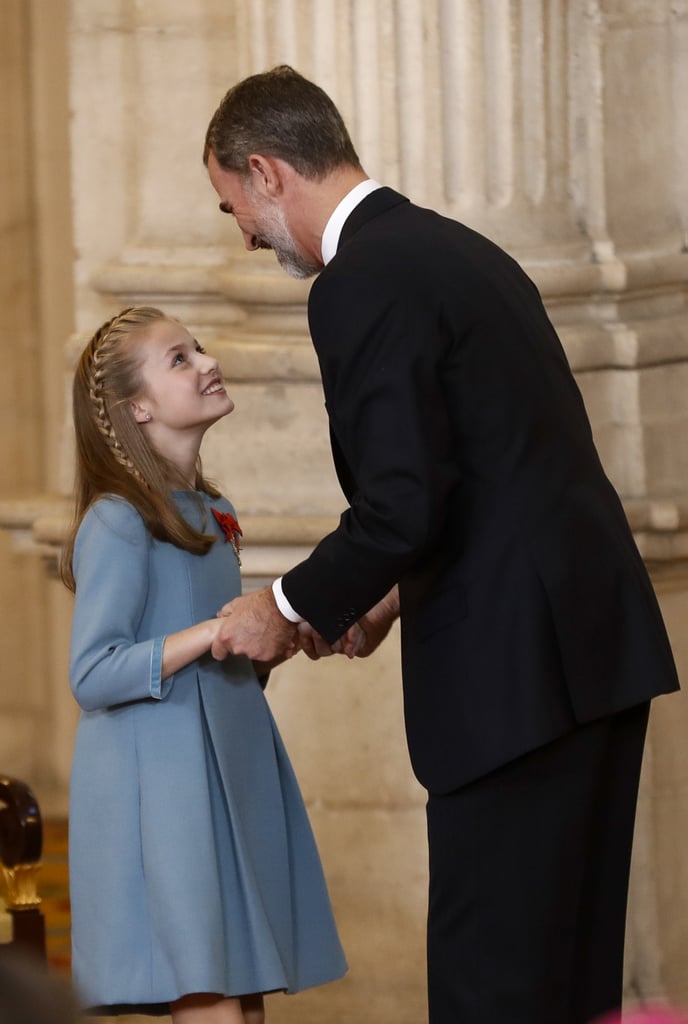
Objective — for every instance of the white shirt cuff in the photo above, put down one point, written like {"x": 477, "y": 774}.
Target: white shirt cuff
{"x": 283, "y": 604}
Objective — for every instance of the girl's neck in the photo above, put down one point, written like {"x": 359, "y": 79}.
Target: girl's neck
{"x": 181, "y": 453}
{"x": 183, "y": 481}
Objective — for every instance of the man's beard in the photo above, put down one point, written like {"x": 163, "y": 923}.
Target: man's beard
{"x": 274, "y": 233}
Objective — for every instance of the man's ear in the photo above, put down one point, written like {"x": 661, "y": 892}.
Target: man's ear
{"x": 267, "y": 174}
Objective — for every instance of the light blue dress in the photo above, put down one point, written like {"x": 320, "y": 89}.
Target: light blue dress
{"x": 193, "y": 867}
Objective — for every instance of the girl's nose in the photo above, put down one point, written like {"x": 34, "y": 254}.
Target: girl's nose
{"x": 210, "y": 364}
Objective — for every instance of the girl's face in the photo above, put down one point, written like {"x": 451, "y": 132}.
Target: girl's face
{"x": 183, "y": 392}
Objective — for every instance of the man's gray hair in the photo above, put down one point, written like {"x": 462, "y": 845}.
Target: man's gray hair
{"x": 279, "y": 113}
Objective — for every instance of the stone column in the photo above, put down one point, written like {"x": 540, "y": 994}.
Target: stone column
{"x": 35, "y": 317}
{"x": 20, "y": 426}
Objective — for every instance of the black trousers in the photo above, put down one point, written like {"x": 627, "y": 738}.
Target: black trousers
{"x": 529, "y": 874}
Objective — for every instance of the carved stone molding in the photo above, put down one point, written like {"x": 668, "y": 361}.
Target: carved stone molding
{"x": 272, "y": 544}
{"x": 242, "y": 289}
{"x": 625, "y": 313}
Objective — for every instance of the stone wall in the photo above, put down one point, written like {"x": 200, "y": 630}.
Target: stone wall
{"x": 556, "y": 127}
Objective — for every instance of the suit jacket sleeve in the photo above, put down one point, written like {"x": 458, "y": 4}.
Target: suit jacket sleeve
{"x": 380, "y": 353}
{"x": 108, "y": 664}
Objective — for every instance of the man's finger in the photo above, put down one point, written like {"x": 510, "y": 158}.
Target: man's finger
{"x": 219, "y": 651}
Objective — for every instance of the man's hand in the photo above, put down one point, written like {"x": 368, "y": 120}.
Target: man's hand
{"x": 371, "y": 629}
{"x": 313, "y": 645}
{"x": 253, "y": 625}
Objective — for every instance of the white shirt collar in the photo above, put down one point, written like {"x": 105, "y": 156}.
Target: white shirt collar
{"x": 333, "y": 228}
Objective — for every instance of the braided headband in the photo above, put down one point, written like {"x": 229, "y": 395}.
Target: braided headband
{"x": 98, "y": 355}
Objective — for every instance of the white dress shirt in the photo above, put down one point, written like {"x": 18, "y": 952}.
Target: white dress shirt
{"x": 333, "y": 228}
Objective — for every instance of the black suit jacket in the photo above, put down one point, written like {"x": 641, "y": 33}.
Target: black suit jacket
{"x": 465, "y": 452}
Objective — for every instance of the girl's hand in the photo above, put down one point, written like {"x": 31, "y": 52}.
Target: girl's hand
{"x": 179, "y": 649}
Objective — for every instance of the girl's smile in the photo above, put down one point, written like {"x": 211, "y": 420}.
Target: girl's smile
{"x": 214, "y": 387}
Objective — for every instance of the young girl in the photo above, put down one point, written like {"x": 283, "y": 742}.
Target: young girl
{"x": 195, "y": 881}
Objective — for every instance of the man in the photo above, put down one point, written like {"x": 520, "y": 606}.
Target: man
{"x": 478, "y": 510}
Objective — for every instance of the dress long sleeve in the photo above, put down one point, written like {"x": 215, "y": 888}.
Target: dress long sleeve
{"x": 108, "y": 666}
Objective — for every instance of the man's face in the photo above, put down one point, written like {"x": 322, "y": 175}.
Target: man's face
{"x": 261, "y": 219}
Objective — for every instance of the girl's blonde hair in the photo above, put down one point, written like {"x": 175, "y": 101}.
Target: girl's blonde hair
{"x": 113, "y": 454}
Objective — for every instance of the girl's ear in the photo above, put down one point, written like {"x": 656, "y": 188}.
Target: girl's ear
{"x": 141, "y": 415}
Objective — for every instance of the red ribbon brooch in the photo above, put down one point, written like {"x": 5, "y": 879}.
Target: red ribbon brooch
{"x": 231, "y": 530}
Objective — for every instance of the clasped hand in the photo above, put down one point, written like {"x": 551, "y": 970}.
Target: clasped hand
{"x": 315, "y": 647}
{"x": 253, "y": 625}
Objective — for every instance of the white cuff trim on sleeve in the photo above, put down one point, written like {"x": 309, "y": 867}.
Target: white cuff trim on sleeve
{"x": 283, "y": 604}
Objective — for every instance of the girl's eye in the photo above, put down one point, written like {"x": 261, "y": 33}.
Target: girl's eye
{"x": 179, "y": 358}
{"x": 199, "y": 348}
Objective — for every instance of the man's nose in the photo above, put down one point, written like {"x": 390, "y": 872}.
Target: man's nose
{"x": 250, "y": 241}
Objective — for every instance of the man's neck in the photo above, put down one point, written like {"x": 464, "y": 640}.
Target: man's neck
{"x": 313, "y": 202}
